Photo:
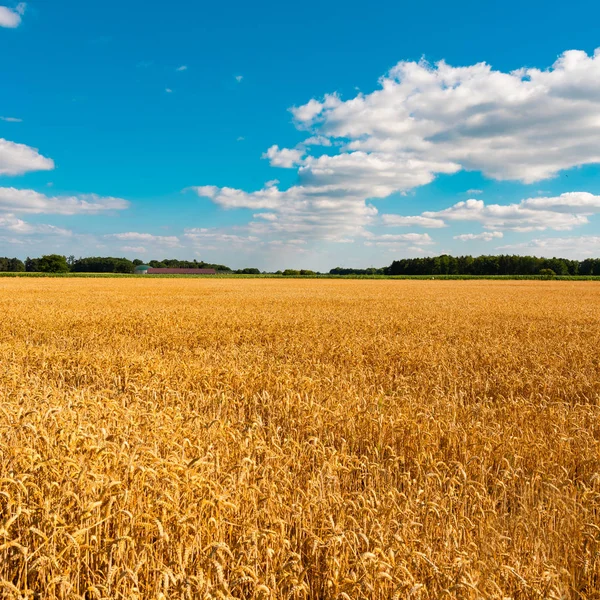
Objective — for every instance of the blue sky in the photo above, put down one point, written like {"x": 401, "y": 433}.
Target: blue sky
{"x": 279, "y": 136}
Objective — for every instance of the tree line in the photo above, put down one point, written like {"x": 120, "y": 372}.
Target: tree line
{"x": 445, "y": 264}
{"x": 57, "y": 263}
{"x": 504, "y": 264}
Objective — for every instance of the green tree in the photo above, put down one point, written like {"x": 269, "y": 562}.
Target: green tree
{"x": 32, "y": 265}
{"x": 53, "y": 263}
{"x": 547, "y": 274}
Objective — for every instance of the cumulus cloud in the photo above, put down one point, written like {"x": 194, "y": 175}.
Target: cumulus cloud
{"x": 309, "y": 211}
{"x": 418, "y": 221}
{"x": 17, "y": 159}
{"x": 203, "y": 236}
{"x": 11, "y": 17}
{"x": 9, "y": 222}
{"x": 182, "y": 68}
{"x": 170, "y": 241}
{"x": 317, "y": 140}
{"x": 575, "y": 247}
{"x": 400, "y": 240}
{"x": 30, "y": 201}
{"x": 486, "y": 236}
{"x": 284, "y": 157}
{"x": 525, "y": 125}
{"x": 562, "y": 212}
{"x": 134, "y": 249}
{"x": 266, "y": 216}
{"x": 426, "y": 120}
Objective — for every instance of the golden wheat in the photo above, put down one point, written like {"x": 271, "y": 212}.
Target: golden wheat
{"x": 276, "y": 439}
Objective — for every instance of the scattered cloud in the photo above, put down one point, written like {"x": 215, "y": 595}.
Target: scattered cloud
{"x": 419, "y": 221}
{"x": 402, "y": 239}
{"x": 240, "y": 138}
{"x": 525, "y": 125}
{"x": 11, "y": 119}
{"x": 266, "y": 216}
{"x": 285, "y": 157}
{"x": 17, "y": 159}
{"x": 567, "y": 247}
{"x": 486, "y": 236}
{"x": 29, "y": 201}
{"x": 202, "y": 236}
{"x": 12, "y": 17}
{"x": 317, "y": 140}
{"x": 563, "y": 212}
{"x": 474, "y": 192}
{"x": 9, "y": 222}
{"x": 301, "y": 211}
{"x": 181, "y": 68}
{"x": 168, "y": 90}
{"x": 424, "y": 121}
{"x": 239, "y": 78}
{"x": 170, "y": 241}
{"x": 134, "y": 249}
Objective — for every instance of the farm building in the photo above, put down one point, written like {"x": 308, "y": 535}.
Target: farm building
{"x": 141, "y": 269}
{"x": 170, "y": 271}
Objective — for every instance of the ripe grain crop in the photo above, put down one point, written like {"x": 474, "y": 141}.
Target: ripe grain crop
{"x": 319, "y": 439}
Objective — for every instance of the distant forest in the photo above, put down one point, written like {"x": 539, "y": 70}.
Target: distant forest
{"x": 503, "y": 264}
{"x": 437, "y": 265}
{"x": 56, "y": 263}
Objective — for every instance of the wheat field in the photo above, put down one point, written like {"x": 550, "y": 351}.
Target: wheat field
{"x": 295, "y": 439}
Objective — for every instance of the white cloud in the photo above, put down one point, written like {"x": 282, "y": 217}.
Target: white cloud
{"x": 239, "y": 78}
{"x": 9, "y": 222}
{"x": 309, "y": 211}
{"x": 240, "y": 138}
{"x": 427, "y": 120}
{"x": 400, "y": 240}
{"x": 17, "y": 159}
{"x": 11, "y": 17}
{"x": 30, "y": 201}
{"x": 525, "y": 125}
{"x": 419, "y": 221}
{"x": 202, "y": 236}
{"x": 474, "y": 192}
{"x": 317, "y": 140}
{"x": 563, "y": 212}
{"x": 570, "y": 202}
{"x": 134, "y": 249}
{"x": 306, "y": 113}
{"x": 182, "y": 68}
{"x": 486, "y": 236}
{"x": 11, "y": 119}
{"x": 284, "y": 157}
{"x": 168, "y": 90}
{"x": 576, "y": 247}
{"x": 266, "y": 216}
{"x": 170, "y": 241}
